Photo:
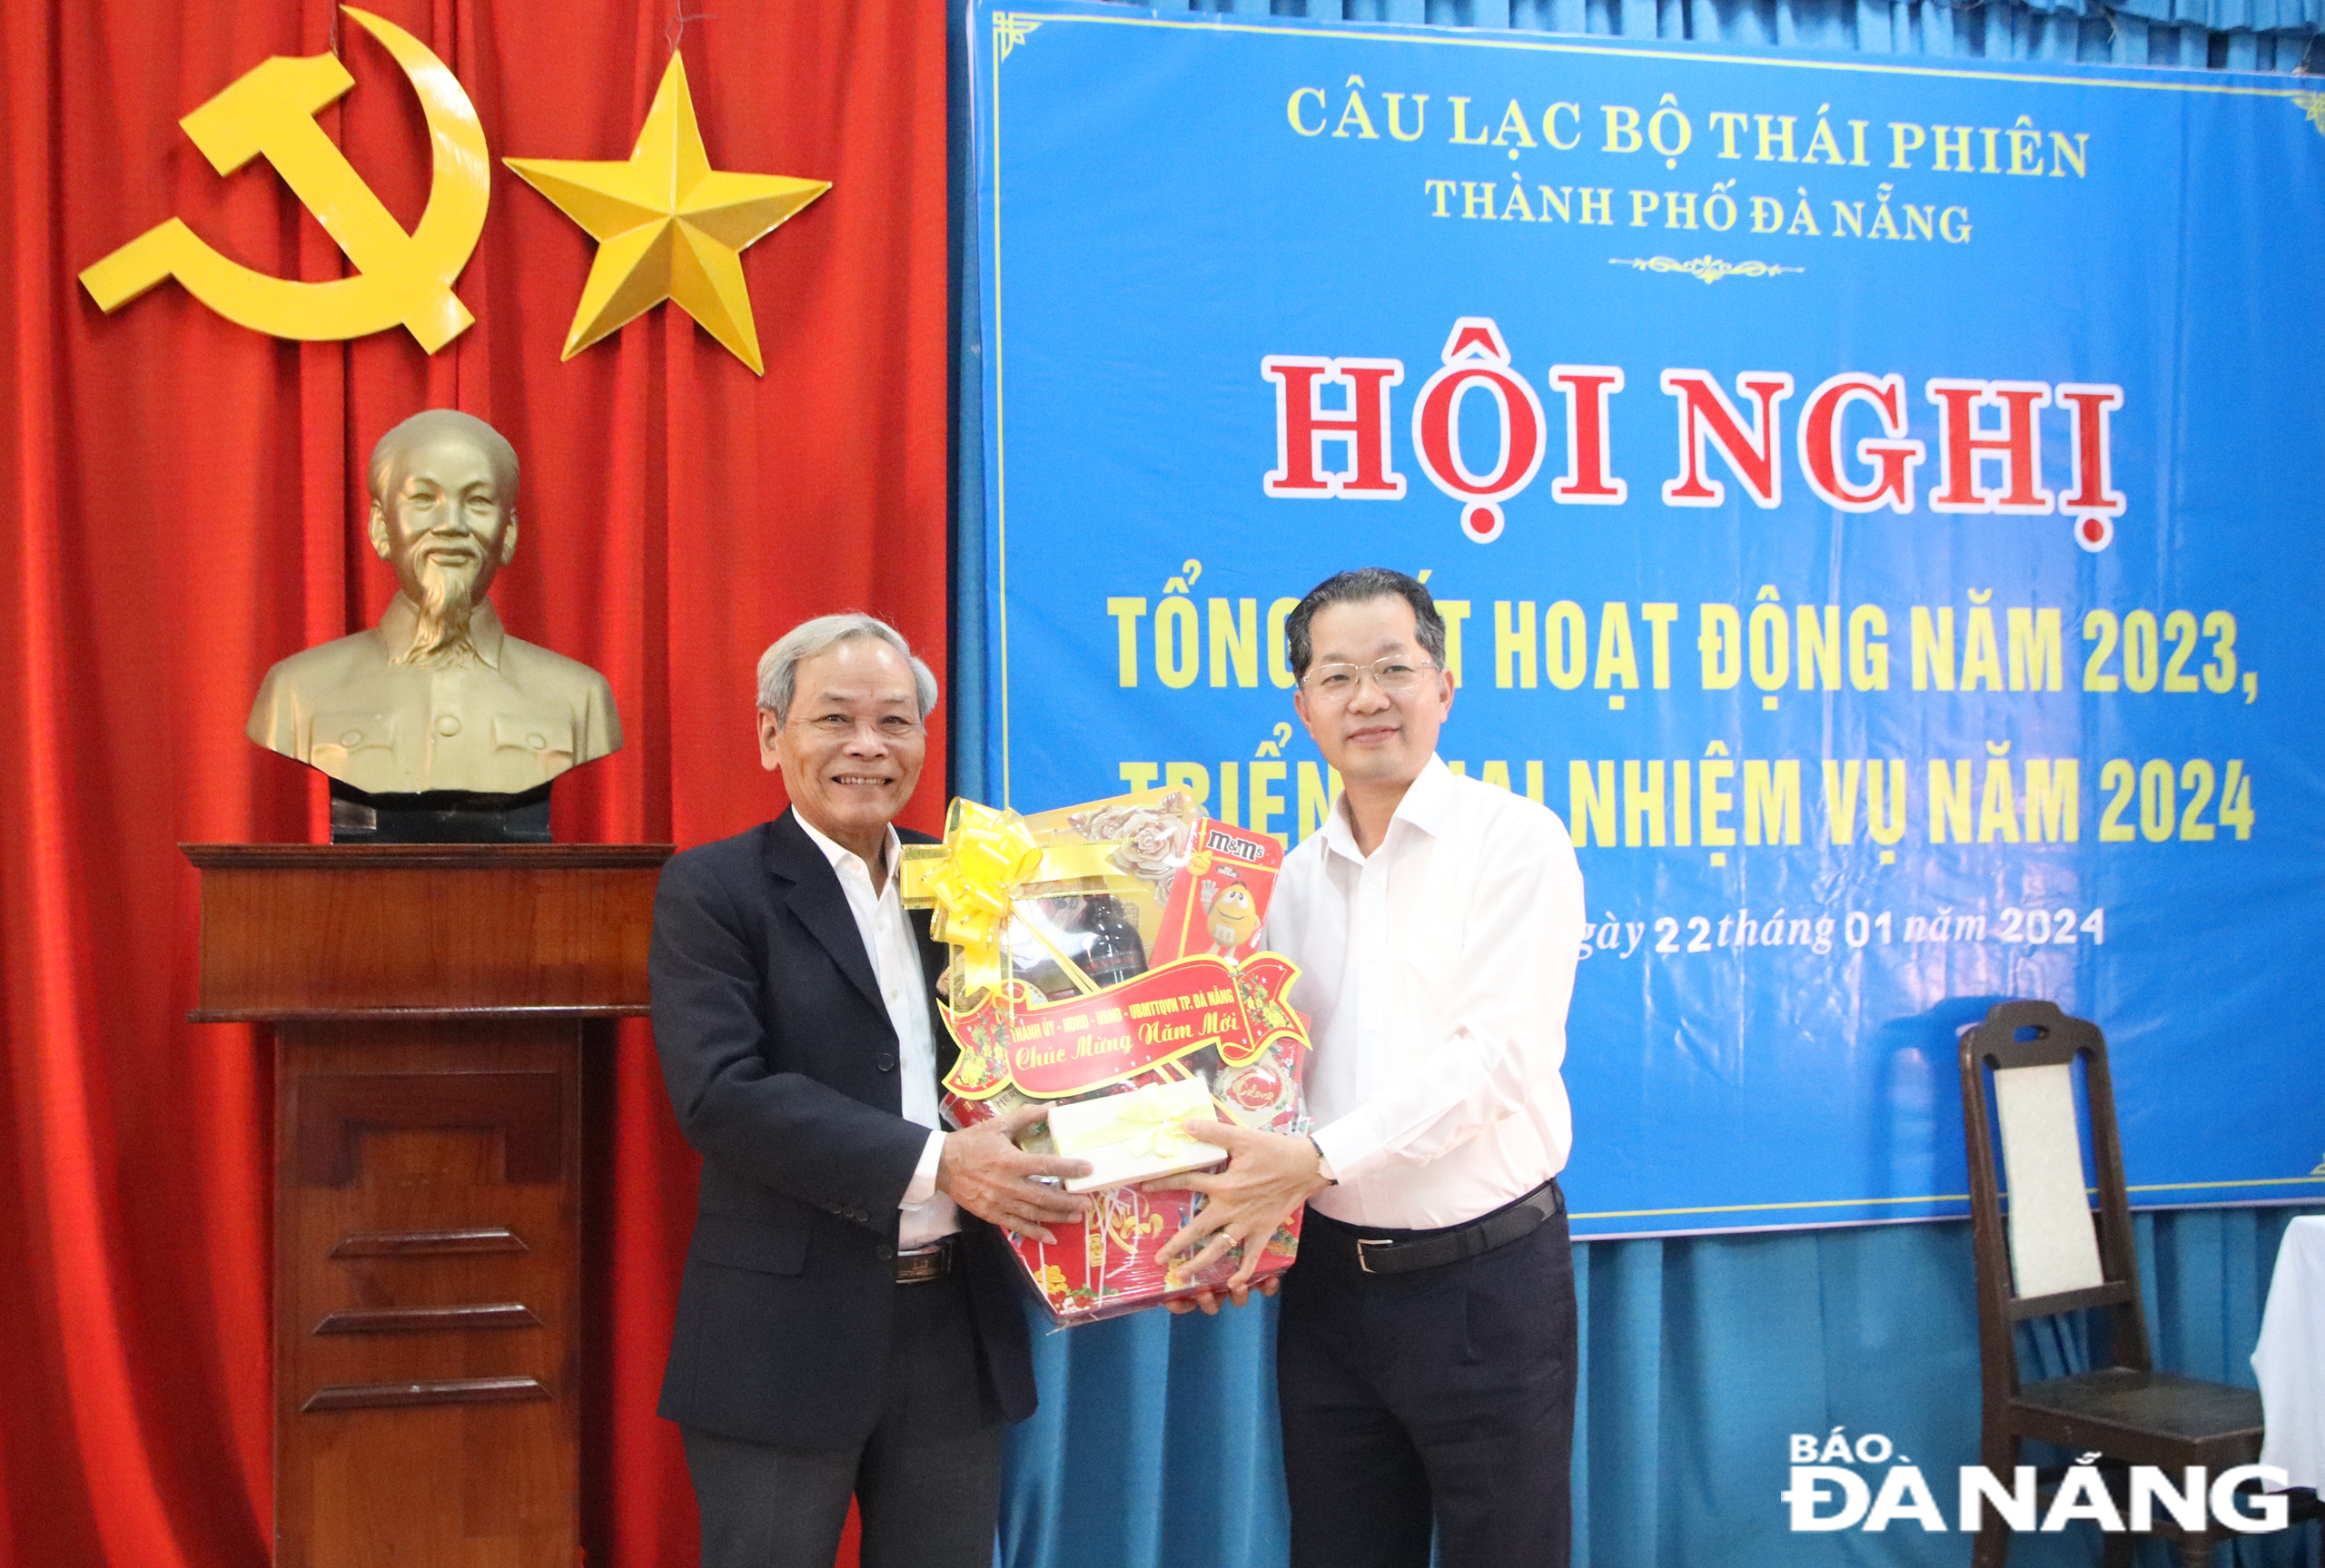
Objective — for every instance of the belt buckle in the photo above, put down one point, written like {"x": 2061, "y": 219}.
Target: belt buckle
{"x": 920, "y": 1266}
{"x": 1363, "y": 1259}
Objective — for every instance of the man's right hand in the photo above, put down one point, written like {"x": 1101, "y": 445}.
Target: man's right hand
{"x": 982, "y": 1169}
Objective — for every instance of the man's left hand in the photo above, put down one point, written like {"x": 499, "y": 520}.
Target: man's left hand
{"x": 1268, "y": 1175}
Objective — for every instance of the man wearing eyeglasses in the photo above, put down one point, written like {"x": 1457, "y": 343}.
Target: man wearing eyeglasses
{"x": 1426, "y": 1358}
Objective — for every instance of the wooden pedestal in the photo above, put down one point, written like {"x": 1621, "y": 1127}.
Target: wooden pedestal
{"x": 431, "y": 1006}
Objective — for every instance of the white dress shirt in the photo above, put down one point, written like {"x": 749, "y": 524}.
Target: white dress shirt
{"x": 927, "y": 1214}
{"x": 2290, "y": 1361}
{"x": 1436, "y": 974}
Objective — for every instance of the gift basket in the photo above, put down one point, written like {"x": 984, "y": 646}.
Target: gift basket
{"x": 1105, "y": 964}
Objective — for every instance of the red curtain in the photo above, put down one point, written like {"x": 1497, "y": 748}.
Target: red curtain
{"x": 182, "y": 507}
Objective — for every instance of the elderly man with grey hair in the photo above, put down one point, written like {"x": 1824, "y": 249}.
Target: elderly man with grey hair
{"x": 846, "y": 1323}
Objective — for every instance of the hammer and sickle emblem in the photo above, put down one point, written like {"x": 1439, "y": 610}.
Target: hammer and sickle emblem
{"x": 402, "y": 280}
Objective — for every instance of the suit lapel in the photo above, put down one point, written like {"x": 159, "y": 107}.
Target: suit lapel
{"x": 815, "y": 896}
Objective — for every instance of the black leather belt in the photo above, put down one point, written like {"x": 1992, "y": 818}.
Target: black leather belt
{"x": 1436, "y": 1249}
{"x": 925, "y": 1264}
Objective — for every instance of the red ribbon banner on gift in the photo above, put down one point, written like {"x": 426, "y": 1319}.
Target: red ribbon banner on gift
{"x": 1052, "y": 1049}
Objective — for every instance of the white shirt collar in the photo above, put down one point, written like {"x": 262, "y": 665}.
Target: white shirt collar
{"x": 835, "y": 852}
{"x": 1427, "y": 804}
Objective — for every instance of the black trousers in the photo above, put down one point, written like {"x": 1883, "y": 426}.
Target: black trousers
{"x": 1444, "y": 1396}
{"x": 926, "y": 1483}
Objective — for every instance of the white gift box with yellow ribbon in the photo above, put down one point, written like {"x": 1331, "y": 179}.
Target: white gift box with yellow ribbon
{"x": 1137, "y": 1136}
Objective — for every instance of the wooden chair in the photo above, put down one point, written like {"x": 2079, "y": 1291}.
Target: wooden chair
{"x": 2056, "y": 1253}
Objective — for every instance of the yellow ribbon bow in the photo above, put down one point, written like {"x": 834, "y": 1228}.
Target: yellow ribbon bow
{"x": 1146, "y": 1124}
{"x": 1152, "y": 1128}
{"x": 967, "y": 881}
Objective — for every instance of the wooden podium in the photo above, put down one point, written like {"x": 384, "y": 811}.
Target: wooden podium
{"x": 430, "y": 1005}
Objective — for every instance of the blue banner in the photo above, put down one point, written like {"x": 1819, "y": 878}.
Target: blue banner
{"x": 1874, "y": 502}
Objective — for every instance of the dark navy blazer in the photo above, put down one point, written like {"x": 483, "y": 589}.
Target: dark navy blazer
{"x": 781, "y": 1064}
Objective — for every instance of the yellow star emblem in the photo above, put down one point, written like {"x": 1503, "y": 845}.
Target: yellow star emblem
{"x": 668, "y": 226}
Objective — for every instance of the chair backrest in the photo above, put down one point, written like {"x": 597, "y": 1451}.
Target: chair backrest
{"x": 2045, "y": 1255}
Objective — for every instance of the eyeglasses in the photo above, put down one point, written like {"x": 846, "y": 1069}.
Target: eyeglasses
{"x": 1395, "y": 675}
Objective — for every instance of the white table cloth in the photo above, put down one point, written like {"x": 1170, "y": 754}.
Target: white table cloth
{"x": 2291, "y": 1360}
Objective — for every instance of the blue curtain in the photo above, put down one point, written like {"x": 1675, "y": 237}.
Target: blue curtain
{"x": 2235, "y": 35}
{"x": 1155, "y": 1445}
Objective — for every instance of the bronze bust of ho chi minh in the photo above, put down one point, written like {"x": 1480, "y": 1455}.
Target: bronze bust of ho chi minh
{"x": 435, "y": 724}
